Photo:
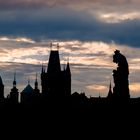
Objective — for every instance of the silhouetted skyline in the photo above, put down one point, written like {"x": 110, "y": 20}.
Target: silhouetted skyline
{"x": 88, "y": 32}
{"x": 56, "y": 85}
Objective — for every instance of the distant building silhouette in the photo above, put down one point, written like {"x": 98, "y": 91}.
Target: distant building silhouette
{"x": 1, "y": 89}
{"x": 121, "y": 88}
{"x": 27, "y": 94}
{"x": 14, "y": 94}
{"x": 36, "y": 89}
{"x": 55, "y": 82}
{"x": 110, "y": 93}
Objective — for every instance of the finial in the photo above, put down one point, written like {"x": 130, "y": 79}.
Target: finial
{"x": 28, "y": 81}
{"x": 58, "y": 46}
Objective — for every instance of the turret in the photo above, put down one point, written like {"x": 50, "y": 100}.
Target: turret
{"x": 14, "y": 91}
{"x": 1, "y": 89}
{"x": 36, "y": 90}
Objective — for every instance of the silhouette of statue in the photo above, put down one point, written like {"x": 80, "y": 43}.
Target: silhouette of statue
{"x": 121, "y": 88}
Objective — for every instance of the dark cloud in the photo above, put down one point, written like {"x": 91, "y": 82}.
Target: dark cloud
{"x": 52, "y": 3}
{"x": 62, "y": 24}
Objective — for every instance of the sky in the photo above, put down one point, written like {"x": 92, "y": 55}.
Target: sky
{"x": 88, "y": 33}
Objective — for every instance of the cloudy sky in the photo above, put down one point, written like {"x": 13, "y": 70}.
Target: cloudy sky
{"x": 88, "y": 33}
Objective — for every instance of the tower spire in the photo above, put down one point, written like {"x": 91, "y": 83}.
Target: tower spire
{"x": 14, "y": 82}
{"x": 36, "y": 77}
{"x": 110, "y": 86}
{"x": 68, "y": 66}
{"x": 36, "y": 82}
{"x": 28, "y": 81}
{"x": 110, "y": 93}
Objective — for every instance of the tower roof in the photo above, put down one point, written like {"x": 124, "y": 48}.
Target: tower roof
{"x": 54, "y": 62}
{"x": 28, "y": 89}
{"x": 68, "y": 67}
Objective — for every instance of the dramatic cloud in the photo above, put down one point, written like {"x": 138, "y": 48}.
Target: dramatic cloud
{"x": 88, "y": 33}
{"x": 91, "y": 63}
{"x": 38, "y": 3}
{"x": 68, "y": 24}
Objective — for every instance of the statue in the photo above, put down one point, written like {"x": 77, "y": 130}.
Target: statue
{"x": 120, "y": 75}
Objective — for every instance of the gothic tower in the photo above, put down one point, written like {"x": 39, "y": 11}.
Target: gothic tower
{"x": 55, "y": 83}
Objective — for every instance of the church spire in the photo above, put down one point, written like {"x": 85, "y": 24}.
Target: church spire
{"x": 28, "y": 81}
{"x": 110, "y": 91}
{"x": 68, "y": 67}
{"x": 36, "y": 82}
{"x": 14, "y": 82}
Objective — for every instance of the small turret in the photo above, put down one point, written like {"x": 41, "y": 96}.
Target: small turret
{"x": 14, "y": 92}
{"x": 1, "y": 89}
{"x": 36, "y": 90}
{"x": 36, "y": 82}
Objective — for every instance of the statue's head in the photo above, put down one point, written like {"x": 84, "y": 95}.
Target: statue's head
{"x": 116, "y": 56}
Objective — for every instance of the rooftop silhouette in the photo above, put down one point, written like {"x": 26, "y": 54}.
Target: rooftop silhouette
{"x": 56, "y": 89}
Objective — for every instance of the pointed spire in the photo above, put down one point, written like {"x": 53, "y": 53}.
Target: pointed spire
{"x": 110, "y": 86}
{"x": 14, "y": 82}
{"x": 36, "y": 82}
{"x": 28, "y": 81}
{"x": 1, "y": 82}
{"x": 68, "y": 66}
{"x": 51, "y": 44}
{"x": 36, "y": 77}
{"x": 110, "y": 93}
